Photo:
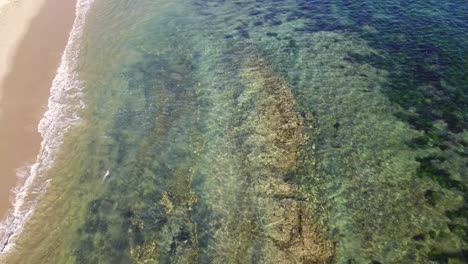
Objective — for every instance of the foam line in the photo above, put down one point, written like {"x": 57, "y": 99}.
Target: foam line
{"x": 62, "y": 114}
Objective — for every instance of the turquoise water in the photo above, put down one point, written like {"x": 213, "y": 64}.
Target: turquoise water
{"x": 264, "y": 132}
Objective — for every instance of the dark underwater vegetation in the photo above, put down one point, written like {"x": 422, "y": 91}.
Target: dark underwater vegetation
{"x": 282, "y": 131}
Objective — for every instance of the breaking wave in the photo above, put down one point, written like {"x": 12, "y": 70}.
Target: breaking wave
{"x": 62, "y": 114}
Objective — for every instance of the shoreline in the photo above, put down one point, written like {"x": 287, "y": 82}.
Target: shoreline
{"x": 61, "y": 113}
{"x": 27, "y": 73}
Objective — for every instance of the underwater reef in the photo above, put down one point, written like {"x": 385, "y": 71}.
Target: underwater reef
{"x": 292, "y": 131}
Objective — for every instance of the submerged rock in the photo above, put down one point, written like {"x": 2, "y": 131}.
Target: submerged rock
{"x": 278, "y": 225}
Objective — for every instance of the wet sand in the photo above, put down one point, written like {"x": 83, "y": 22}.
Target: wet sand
{"x": 26, "y": 85}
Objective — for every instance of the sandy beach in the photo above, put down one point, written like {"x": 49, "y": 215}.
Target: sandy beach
{"x": 33, "y": 34}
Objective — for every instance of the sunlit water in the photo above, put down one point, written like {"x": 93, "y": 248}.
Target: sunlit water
{"x": 263, "y": 132}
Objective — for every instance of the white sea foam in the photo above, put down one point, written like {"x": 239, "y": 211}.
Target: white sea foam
{"x": 62, "y": 114}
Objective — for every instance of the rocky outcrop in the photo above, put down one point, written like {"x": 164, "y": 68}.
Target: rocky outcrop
{"x": 269, "y": 141}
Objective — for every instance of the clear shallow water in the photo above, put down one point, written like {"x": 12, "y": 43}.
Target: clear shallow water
{"x": 263, "y": 132}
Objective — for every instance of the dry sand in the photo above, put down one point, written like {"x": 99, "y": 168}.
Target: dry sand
{"x": 15, "y": 18}
{"x": 33, "y": 35}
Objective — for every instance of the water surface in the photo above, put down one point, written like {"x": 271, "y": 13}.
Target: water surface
{"x": 263, "y": 132}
